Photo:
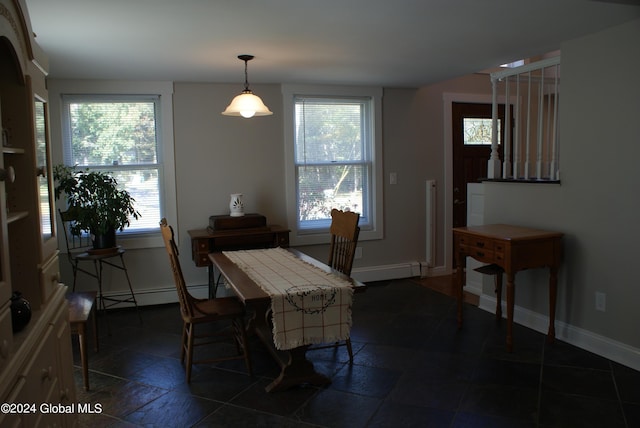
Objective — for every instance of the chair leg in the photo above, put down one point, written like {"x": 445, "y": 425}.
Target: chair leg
{"x": 190, "y": 337}
{"x": 183, "y": 344}
{"x": 350, "y": 351}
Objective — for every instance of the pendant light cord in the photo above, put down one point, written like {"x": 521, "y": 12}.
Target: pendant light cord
{"x": 246, "y": 59}
{"x": 246, "y": 76}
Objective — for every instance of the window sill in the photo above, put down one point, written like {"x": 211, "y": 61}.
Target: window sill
{"x": 135, "y": 241}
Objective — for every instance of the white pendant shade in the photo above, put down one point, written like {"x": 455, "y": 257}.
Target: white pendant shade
{"x": 247, "y": 105}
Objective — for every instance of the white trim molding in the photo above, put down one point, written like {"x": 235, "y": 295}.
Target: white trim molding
{"x": 584, "y": 339}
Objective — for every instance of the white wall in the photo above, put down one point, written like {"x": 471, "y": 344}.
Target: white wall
{"x": 217, "y": 155}
{"x": 597, "y": 203}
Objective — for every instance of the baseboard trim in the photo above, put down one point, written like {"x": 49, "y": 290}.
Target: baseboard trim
{"x": 600, "y": 345}
{"x": 386, "y": 272}
{"x": 592, "y": 342}
{"x": 156, "y": 296}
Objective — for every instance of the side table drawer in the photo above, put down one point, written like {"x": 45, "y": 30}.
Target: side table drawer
{"x": 199, "y": 252}
{"x": 202, "y": 260}
{"x": 499, "y": 251}
{"x": 476, "y": 242}
{"x": 480, "y": 254}
{"x": 283, "y": 239}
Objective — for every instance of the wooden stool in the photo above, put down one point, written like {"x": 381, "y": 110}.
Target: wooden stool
{"x": 82, "y": 308}
{"x": 496, "y": 270}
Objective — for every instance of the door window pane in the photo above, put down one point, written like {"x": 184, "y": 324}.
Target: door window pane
{"x": 477, "y": 131}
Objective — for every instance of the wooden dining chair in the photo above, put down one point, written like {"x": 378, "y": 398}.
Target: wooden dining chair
{"x": 196, "y": 312}
{"x": 344, "y": 232}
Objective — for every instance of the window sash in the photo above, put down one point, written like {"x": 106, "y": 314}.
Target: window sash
{"x": 349, "y": 192}
{"x": 329, "y": 146}
{"x": 372, "y": 154}
{"x": 152, "y": 170}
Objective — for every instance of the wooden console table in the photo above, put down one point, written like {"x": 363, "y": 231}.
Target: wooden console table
{"x": 513, "y": 248}
{"x": 205, "y": 241}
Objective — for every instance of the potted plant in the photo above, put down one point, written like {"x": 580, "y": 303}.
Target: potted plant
{"x": 95, "y": 203}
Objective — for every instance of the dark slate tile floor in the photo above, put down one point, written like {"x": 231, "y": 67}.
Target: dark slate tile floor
{"x": 412, "y": 368}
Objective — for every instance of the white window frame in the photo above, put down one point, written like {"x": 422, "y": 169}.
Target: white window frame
{"x": 372, "y": 230}
{"x": 164, "y": 123}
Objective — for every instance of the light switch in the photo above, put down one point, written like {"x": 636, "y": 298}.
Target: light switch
{"x": 393, "y": 178}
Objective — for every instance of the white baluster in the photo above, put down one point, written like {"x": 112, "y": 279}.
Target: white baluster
{"x": 516, "y": 138}
{"x": 506, "y": 163}
{"x": 528, "y": 136}
{"x": 540, "y": 130}
{"x": 493, "y": 165}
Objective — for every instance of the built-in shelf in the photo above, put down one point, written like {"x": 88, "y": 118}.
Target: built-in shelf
{"x": 15, "y": 216}
{"x": 12, "y": 150}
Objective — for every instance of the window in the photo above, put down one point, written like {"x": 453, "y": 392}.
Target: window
{"x": 477, "y": 131}
{"x": 333, "y": 159}
{"x": 123, "y": 134}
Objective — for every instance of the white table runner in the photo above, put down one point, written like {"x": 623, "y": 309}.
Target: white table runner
{"x": 309, "y": 306}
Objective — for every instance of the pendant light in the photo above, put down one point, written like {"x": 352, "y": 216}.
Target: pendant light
{"x": 246, "y": 104}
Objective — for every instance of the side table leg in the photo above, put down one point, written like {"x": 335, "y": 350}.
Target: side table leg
{"x": 553, "y": 289}
{"x": 510, "y": 304}
{"x": 499, "y": 296}
{"x": 460, "y": 267}
{"x": 212, "y": 284}
{"x": 82, "y": 339}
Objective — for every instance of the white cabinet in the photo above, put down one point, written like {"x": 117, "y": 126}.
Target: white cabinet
{"x": 36, "y": 364}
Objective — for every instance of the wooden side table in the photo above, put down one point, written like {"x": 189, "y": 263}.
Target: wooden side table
{"x": 82, "y": 311}
{"x": 205, "y": 241}
{"x": 511, "y": 248}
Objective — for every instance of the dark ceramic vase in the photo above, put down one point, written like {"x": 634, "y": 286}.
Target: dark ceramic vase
{"x": 20, "y": 311}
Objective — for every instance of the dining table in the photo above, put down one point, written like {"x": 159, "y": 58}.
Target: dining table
{"x": 294, "y": 301}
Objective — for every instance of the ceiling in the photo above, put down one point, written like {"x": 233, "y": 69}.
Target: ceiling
{"x": 402, "y": 43}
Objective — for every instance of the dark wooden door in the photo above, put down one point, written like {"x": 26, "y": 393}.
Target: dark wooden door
{"x": 471, "y": 150}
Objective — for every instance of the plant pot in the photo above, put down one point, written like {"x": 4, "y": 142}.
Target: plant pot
{"x": 106, "y": 240}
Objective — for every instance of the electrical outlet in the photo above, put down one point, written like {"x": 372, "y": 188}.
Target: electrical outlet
{"x": 601, "y": 301}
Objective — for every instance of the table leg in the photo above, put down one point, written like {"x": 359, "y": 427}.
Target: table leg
{"x": 510, "y": 304}
{"x": 82, "y": 339}
{"x": 295, "y": 369}
{"x": 211, "y": 281}
{"x": 553, "y": 289}
{"x": 460, "y": 267}
{"x": 499, "y": 296}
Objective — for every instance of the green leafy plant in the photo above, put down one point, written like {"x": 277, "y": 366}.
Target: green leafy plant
{"x": 95, "y": 202}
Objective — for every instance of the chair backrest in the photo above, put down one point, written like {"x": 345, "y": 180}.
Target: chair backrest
{"x": 344, "y": 238}
{"x": 186, "y": 300}
{"x": 75, "y": 243}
